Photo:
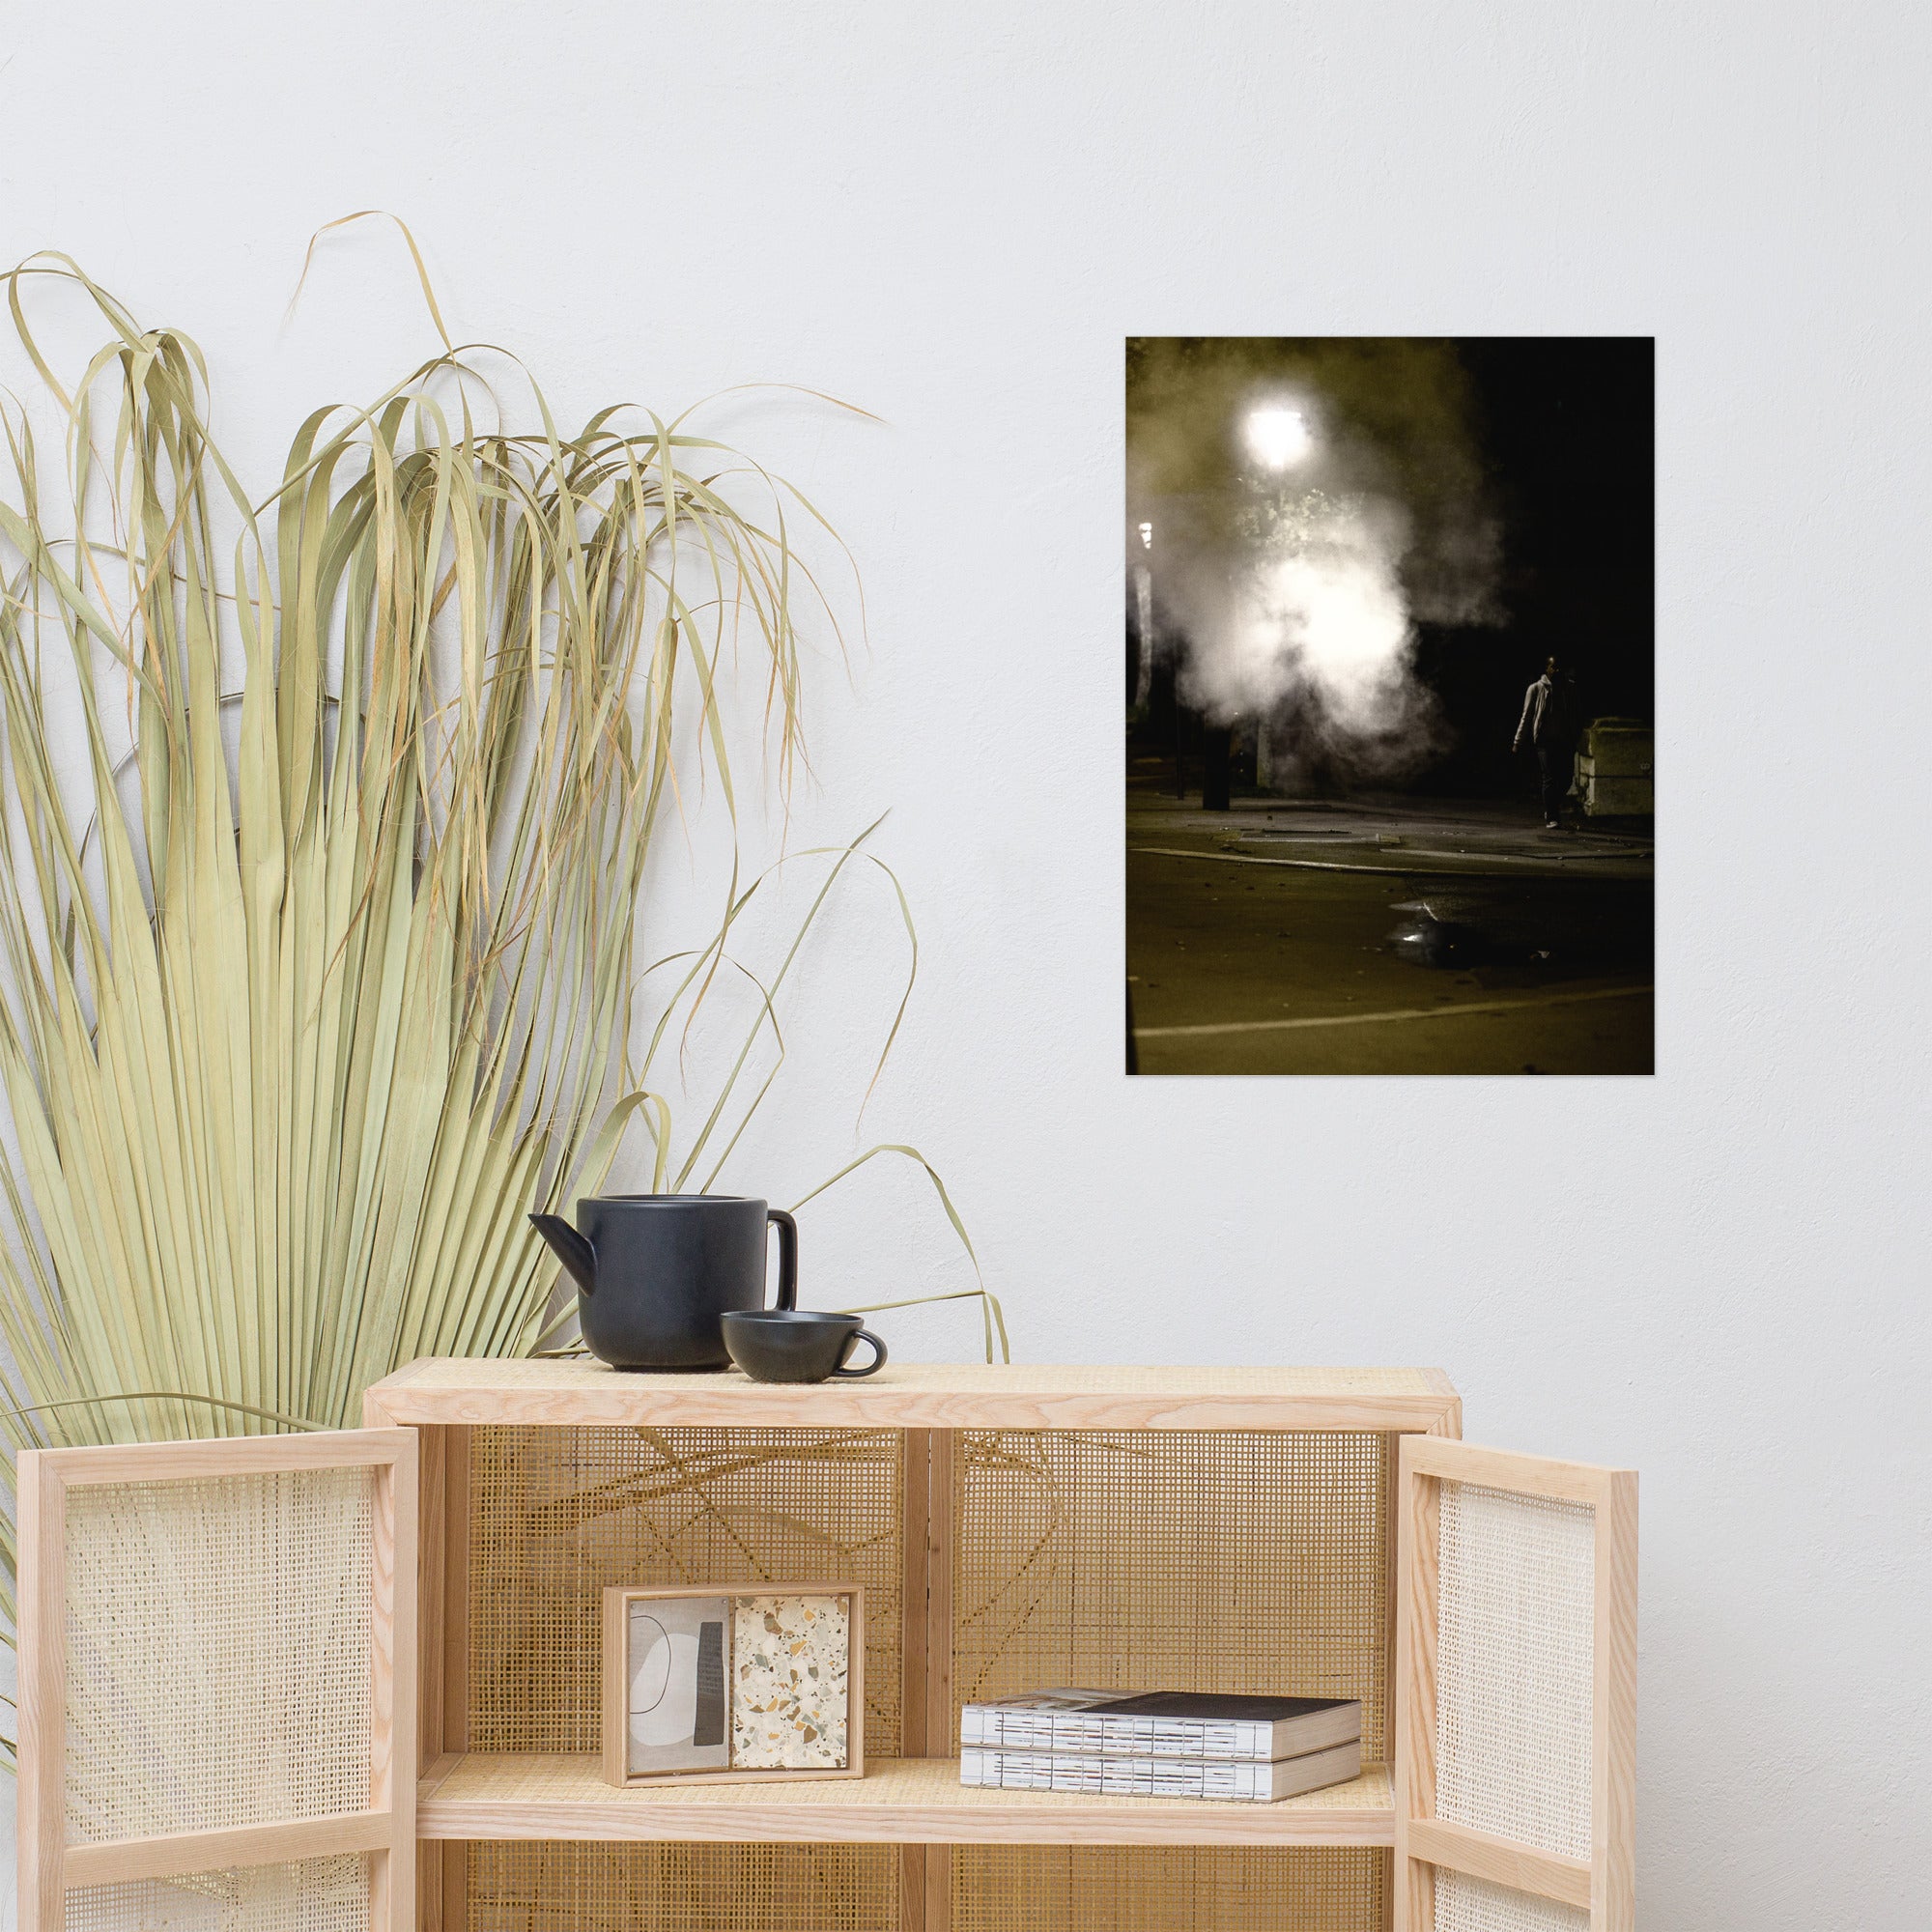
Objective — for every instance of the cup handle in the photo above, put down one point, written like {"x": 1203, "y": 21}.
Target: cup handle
{"x": 787, "y": 1257}
{"x": 872, "y": 1367}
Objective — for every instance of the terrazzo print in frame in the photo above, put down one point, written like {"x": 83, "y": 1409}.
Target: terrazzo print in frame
{"x": 791, "y": 1683}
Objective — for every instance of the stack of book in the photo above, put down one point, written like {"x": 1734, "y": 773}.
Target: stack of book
{"x": 1164, "y": 1744}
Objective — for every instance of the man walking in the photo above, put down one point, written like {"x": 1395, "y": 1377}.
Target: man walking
{"x": 1550, "y": 721}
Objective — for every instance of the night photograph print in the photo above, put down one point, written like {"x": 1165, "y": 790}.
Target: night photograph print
{"x": 1390, "y": 683}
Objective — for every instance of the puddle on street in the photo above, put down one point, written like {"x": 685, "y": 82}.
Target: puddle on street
{"x": 1523, "y": 932}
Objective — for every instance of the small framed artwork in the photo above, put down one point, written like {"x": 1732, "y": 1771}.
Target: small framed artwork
{"x": 764, "y": 1683}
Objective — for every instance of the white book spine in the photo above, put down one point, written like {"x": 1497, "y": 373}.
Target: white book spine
{"x": 1009, "y": 1728}
{"x": 1116, "y": 1776}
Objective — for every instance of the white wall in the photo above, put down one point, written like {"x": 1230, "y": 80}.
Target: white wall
{"x": 953, "y": 216}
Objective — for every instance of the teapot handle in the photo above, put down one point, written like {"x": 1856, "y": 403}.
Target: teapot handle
{"x": 787, "y": 1257}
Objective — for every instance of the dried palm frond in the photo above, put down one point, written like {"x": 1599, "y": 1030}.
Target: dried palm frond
{"x": 317, "y": 973}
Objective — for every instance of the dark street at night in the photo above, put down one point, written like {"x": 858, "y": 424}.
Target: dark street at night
{"x": 1283, "y": 938}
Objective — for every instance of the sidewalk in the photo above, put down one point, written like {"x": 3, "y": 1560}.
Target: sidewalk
{"x": 1420, "y": 837}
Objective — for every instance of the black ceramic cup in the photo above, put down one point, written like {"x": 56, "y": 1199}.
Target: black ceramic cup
{"x": 790, "y": 1345}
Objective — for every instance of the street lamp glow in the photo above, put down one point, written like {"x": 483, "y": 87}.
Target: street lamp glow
{"x": 1277, "y": 437}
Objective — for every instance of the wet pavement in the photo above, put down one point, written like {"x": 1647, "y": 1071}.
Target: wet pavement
{"x": 1385, "y": 936}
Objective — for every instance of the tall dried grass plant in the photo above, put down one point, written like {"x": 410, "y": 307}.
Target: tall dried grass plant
{"x": 319, "y": 971}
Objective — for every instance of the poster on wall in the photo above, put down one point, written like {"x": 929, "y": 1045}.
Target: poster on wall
{"x": 1390, "y": 680}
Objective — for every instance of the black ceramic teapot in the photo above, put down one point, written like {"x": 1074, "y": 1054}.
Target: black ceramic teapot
{"x": 655, "y": 1273}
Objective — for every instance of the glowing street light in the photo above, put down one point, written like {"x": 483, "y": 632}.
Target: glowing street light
{"x": 1277, "y": 437}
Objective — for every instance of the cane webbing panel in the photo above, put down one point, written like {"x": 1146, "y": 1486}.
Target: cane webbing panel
{"x": 217, "y": 1653}
{"x": 1513, "y": 1667}
{"x": 1239, "y": 1561}
{"x": 1139, "y": 1888}
{"x": 558, "y": 1514}
{"x": 532, "y": 1886}
{"x": 313, "y": 1895}
{"x": 1464, "y": 1904}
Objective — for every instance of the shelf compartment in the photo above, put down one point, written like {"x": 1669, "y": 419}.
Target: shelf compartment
{"x": 556, "y": 1516}
{"x": 1203, "y": 1560}
{"x": 899, "y": 1802}
{"x": 1161, "y": 1888}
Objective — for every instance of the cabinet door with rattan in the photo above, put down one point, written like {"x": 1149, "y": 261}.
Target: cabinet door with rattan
{"x": 1516, "y": 1692}
{"x": 217, "y": 1689}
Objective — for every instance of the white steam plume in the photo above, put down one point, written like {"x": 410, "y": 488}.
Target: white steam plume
{"x": 1306, "y": 621}
{"x": 1316, "y": 605}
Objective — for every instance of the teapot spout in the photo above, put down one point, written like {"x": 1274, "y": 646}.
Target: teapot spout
{"x": 570, "y": 1248}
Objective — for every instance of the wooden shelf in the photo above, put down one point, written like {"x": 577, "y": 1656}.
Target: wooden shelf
{"x": 899, "y": 1802}
{"x": 580, "y": 1391}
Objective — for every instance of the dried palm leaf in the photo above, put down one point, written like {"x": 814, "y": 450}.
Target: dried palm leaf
{"x": 320, "y": 974}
